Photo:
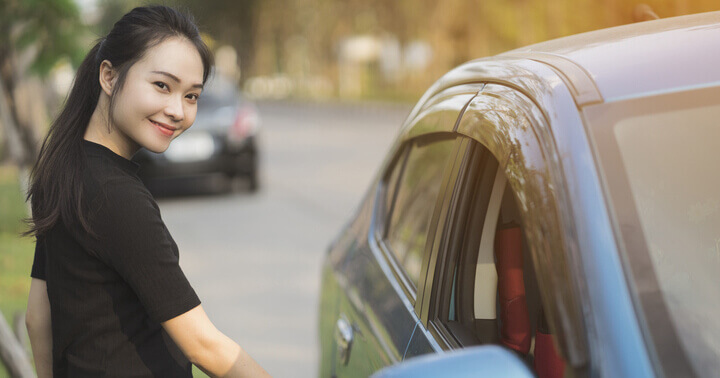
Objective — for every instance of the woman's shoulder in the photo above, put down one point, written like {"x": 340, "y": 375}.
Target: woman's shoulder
{"x": 105, "y": 181}
{"x": 104, "y": 165}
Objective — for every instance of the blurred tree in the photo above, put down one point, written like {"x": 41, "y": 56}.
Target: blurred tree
{"x": 302, "y": 38}
{"x": 110, "y": 12}
{"x": 457, "y": 30}
{"x": 229, "y": 22}
{"x": 34, "y": 36}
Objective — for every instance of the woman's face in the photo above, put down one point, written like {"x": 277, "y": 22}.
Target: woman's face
{"x": 158, "y": 100}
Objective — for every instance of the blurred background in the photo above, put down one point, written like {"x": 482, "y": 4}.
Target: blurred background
{"x": 311, "y": 95}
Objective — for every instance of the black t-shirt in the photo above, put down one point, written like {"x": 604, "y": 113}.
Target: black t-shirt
{"x": 110, "y": 292}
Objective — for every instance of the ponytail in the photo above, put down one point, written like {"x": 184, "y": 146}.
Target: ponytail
{"x": 56, "y": 189}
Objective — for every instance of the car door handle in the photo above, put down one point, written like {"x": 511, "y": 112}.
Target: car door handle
{"x": 344, "y": 335}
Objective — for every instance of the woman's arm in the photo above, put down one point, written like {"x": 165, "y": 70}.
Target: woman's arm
{"x": 37, "y": 320}
{"x": 209, "y": 349}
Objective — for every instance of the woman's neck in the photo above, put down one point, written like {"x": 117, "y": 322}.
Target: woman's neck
{"x": 101, "y": 131}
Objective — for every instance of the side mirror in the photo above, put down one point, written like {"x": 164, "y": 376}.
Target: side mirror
{"x": 484, "y": 360}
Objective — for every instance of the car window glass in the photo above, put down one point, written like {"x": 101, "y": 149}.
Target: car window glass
{"x": 391, "y": 184}
{"x": 417, "y": 192}
{"x": 489, "y": 292}
{"x": 680, "y": 222}
{"x": 452, "y": 317}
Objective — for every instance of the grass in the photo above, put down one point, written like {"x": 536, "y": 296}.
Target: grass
{"x": 197, "y": 373}
{"x": 15, "y": 263}
{"x": 12, "y": 202}
{"x": 16, "y": 253}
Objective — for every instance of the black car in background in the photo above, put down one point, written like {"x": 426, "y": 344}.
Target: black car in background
{"x": 220, "y": 146}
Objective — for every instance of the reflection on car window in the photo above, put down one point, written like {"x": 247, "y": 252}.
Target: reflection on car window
{"x": 416, "y": 194}
{"x": 677, "y": 197}
{"x": 392, "y": 182}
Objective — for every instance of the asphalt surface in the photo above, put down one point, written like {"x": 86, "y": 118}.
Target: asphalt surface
{"x": 254, "y": 259}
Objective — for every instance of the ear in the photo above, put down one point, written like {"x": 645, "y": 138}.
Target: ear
{"x": 108, "y": 77}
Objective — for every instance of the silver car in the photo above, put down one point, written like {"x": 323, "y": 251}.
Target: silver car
{"x": 559, "y": 200}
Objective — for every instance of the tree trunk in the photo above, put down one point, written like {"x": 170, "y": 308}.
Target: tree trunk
{"x": 12, "y": 354}
{"x": 13, "y": 141}
{"x": 19, "y": 329}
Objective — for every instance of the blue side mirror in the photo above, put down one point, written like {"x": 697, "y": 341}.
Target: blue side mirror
{"x": 484, "y": 360}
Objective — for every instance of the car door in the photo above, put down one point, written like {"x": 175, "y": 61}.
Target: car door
{"x": 380, "y": 280}
{"x": 504, "y": 207}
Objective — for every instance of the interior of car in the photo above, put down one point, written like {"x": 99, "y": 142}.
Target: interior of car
{"x": 493, "y": 296}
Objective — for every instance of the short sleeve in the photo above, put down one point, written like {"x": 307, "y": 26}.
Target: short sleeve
{"x": 38, "y": 266}
{"x": 132, "y": 238}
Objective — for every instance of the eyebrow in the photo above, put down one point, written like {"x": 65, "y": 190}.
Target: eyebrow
{"x": 175, "y": 78}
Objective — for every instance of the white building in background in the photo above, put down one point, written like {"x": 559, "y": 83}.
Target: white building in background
{"x": 359, "y": 56}
{"x": 417, "y": 56}
{"x": 354, "y": 56}
{"x": 226, "y": 62}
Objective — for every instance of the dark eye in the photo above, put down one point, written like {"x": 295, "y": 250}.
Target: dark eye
{"x": 193, "y": 96}
{"x": 161, "y": 85}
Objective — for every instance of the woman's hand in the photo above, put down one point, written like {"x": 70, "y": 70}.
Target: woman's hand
{"x": 209, "y": 349}
{"x": 38, "y": 323}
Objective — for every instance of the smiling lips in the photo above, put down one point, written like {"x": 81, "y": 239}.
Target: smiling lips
{"x": 164, "y": 128}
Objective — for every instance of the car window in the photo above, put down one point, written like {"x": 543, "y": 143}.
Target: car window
{"x": 391, "y": 183}
{"x": 418, "y": 186}
{"x": 656, "y": 153}
{"x": 680, "y": 222}
{"x": 489, "y": 291}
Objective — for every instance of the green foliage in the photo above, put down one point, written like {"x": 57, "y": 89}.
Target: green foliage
{"x": 111, "y": 12}
{"x": 51, "y": 27}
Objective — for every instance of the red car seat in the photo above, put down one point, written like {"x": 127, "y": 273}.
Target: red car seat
{"x": 514, "y": 318}
{"x": 515, "y": 329}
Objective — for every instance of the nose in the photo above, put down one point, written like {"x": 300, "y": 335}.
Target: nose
{"x": 174, "y": 108}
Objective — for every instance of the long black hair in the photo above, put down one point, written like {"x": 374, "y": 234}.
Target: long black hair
{"x": 56, "y": 190}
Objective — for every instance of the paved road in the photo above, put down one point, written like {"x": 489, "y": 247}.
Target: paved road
{"x": 254, "y": 259}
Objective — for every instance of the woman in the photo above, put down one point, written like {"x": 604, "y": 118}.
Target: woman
{"x": 107, "y": 296}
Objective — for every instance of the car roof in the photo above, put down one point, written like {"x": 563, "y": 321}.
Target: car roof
{"x": 643, "y": 58}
